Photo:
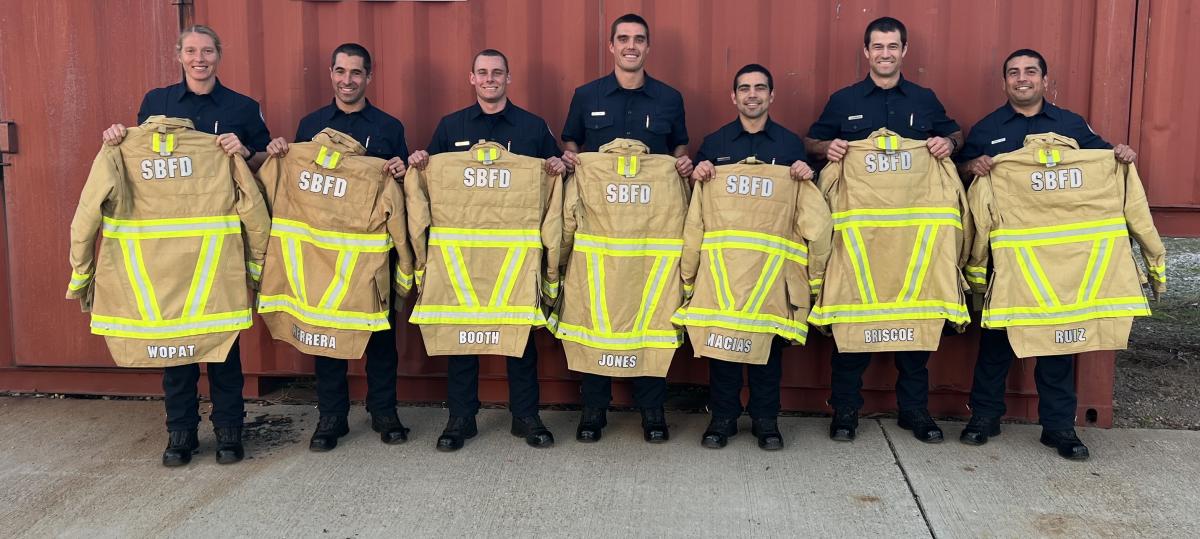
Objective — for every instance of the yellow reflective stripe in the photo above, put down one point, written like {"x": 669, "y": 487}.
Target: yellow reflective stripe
{"x": 184, "y": 227}
{"x": 527, "y": 315}
{"x": 1066, "y": 314}
{"x": 1108, "y": 251}
{"x": 890, "y": 142}
{"x": 79, "y": 280}
{"x": 1090, "y": 270}
{"x": 514, "y": 260}
{"x": 139, "y": 280}
{"x": 327, "y": 158}
{"x": 255, "y": 270}
{"x": 329, "y": 239}
{"x": 203, "y": 276}
{"x": 588, "y": 243}
{"x": 756, "y": 241}
{"x": 1042, "y": 279}
{"x": 1059, "y": 234}
{"x": 405, "y": 280}
{"x": 766, "y": 279}
{"x": 627, "y": 166}
{"x": 293, "y": 266}
{"x": 620, "y": 340}
{"x": 1158, "y": 273}
{"x": 814, "y": 285}
{"x": 333, "y": 161}
{"x": 598, "y": 304}
{"x": 327, "y": 318}
{"x": 862, "y": 267}
{"x": 470, "y": 237}
{"x": 459, "y": 280}
{"x": 157, "y": 145}
{"x": 343, "y": 270}
{"x": 886, "y": 311}
{"x": 976, "y": 274}
{"x": 486, "y": 155}
{"x": 897, "y": 217}
{"x": 796, "y": 330}
{"x": 652, "y": 291}
{"x": 114, "y": 326}
{"x": 716, "y": 261}
{"x": 419, "y": 276}
{"x": 1035, "y": 278}
{"x": 1049, "y": 158}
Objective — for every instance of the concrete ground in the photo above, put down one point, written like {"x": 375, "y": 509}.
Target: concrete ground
{"x": 90, "y": 468}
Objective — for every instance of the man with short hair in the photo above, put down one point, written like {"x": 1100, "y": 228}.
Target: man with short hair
{"x": 883, "y": 99}
{"x": 751, "y": 134}
{"x": 382, "y": 135}
{"x": 627, "y": 103}
{"x": 1027, "y": 112}
{"x": 493, "y": 117}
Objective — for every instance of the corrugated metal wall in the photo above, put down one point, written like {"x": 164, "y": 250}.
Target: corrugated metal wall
{"x": 63, "y": 91}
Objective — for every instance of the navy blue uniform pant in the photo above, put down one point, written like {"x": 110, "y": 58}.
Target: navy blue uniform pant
{"x": 1054, "y": 375}
{"x": 725, "y": 386}
{"x": 225, "y": 382}
{"x": 333, "y": 391}
{"x": 912, "y": 380}
{"x": 649, "y": 392}
{"x": 462, "y": 384}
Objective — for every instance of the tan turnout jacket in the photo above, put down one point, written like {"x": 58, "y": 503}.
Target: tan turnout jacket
{"x": 184, "y": 229}
{"x": 1055, "y": 221}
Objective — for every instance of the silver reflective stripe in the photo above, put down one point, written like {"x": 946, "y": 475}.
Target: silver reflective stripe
{"x": 133, "y": 326}
{"x": 227, "y": 227}
{"x": 848, "y": 219}
{"x": 139, "y": 280}
{"x": 600, "y": 339}
{"x": 382, "y": 242}
{"x": 206, "y": 273}
{"x": 1001, "y": 235}
{"x": 1094, "y": 272}
{"x": 460, "y": 275}
{"x": 1063, "y": 313}
{"x": 78, "y": 282}
{"x": 1043, "y": 288}
{"x": 910, "y": 287}
{"x": 515, "y": 260}
{"x": 649, "y": 245}
{"x": 863, "y": 275}
{"x": 734, "y": 319}
{"x": 764, "y": 283}
{"x": 421, "y": 314}
{"x": 341, "y": 317}
{"x": 436, "y": 237}
{"x": 293, "y": 263}
{"x": 717, "y": 265}
{"x": 595, "y": 261}
{"x": 653, "y": 287}
{"x": 825, "y": 312}
{"x": 345, "y": 261}
{"x": 731, "y": 240}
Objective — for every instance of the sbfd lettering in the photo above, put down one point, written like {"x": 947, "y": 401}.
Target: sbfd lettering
{"x": 171, "y": 167}
{"x": 749, "y": 185}
{"x": 621, "y": 193}
{"x": 479, "y": 337}
{"x": 1068, "y": 336}
{"x": 318, "y": 340}
{"x": 620, "y": 362}
{"x": 889, "y": 335}
{"x": 1048, "y": 180}
{"x": 888, "y": 162}
{"x": 487, "y": 177}
{"x": 322, "y": 184}
{"x": 724, "y": 342}
{"x": 171, "y": 352}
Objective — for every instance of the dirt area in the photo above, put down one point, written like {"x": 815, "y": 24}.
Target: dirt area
{"x": 1158, "y": 377}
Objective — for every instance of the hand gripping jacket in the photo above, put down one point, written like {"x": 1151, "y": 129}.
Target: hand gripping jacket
{"x": 184, "y": 228}
{"x": 335, "y": 215}
{"x": 755, "y": 242}
{"x": 1057, "y": 220}
{"x": 486, "y": 225}
{"x": 902, "y": 231}
{"x": 623, "y": 215}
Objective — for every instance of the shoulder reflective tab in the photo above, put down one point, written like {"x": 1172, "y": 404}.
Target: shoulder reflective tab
{"x": 1059, "y": 234}
{"x": 113, "y": 326}
{"x": 327, "y": 318}
{"x": 1065, "y": 314}
{"x": 139, "y": 280}
{"x": 333, "y": 160}
{"x": 627, "y": 166}
{"x": 79, "y": 281}
{"x": 158, "y": 146}
{"x": 327, "y": 158}
{"x": 184, "y": 227}
{"x": 204, "y": 275}
{"x": 796, "y": 330}
{"x": 756, "y": 241}
{"x": 343, "y": 269}
{"x": 487, "y": 155}
{"x": 824, "y": 315}
{"x": 1049, "y": 157}
{"x": 890, "y": 143}
{"x": 470, "y": 237}
{"x": 895, "y": 217}
{"x": 328, "y": 239}
{"x": 478, "y": 315}
{"x": 607, "y": 245}
{"x": 918, "y": 263}
{"x": 976, "y": 274}
{"x": 857, "y": 249}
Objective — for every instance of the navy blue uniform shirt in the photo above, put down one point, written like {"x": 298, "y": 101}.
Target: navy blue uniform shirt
{"x": 515, "y": 128}
{"x": 855, "y": 111}
{"x": 220, "y": 111}
{"x": 602, "y": 111}
{"x": 380, "y": 133}
{"x": 731, "y": 143}
{"x": 1004, "y": 130}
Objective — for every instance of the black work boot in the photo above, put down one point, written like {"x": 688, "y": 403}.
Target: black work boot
{"x": 719, "y": 431}
{"x": 180, "y": 446}
{"x": 844, "y": 426}
{"x": 457, "y": 430}
{"x": 767, "y": 431}
{"x": 591, "y": 425}
{"x": 1066, "y": 442}
{"x": 391, "y": 430}
{"x": 654, "y": 425}
{"x": 532, "y": 430}
{"x": 979, "y": 429}
{"x": 329, "y": 429}
{"x": 229, "y": 445}
{"x": 921, "y": 424}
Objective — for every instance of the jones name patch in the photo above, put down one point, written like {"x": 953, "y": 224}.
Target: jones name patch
{"x": 618, "y": 361}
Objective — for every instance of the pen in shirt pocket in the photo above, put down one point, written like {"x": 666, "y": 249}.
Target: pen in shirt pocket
{"x": 910, "y": 119}
{"x": 647, "y": 121}
{"x": 216, "y": 124}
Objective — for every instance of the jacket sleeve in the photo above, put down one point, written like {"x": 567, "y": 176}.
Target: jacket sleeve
{"x": 100, "y": 188}
{"x": 572, "y": 206}
{"x": 829, "y": 180}
{"x": 814, "y": 224}
{"x": 979, "y": 199}
{"x": 256, "y": 220}
{"x": 552, "y": 237}
{"x": 1141, "y": 227}
{"x": 967, "y": 240}
{"x": 416, "y": 198}
{"x": 693, "y": 239}
{"x": 396, "y": 222}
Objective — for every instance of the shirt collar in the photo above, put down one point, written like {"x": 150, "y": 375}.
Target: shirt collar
{"x": 367, "y": 112}
{"x": 609, "y": 85}
{"x": 769, "y": 129}
{"x": 475, "y": 111}
{"x": 867, "y": 85}
{"x": 216, "y": 94}
{"x": 1049, "y": 110}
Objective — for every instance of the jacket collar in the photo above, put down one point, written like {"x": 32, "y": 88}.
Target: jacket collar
{"x": 625, "y": 146}
{"x": 163, "y": 124}
{"x": 337, "y": 140}
{"x": 1051, "y": 139}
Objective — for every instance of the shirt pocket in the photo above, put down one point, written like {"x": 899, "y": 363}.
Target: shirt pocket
{"x": 855, "y": 129}
{"x": 659, "y": 127}
{"x": 597, "y": 123}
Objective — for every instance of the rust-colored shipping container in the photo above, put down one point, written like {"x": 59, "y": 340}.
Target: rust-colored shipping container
{"x": 72, "y": 68}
